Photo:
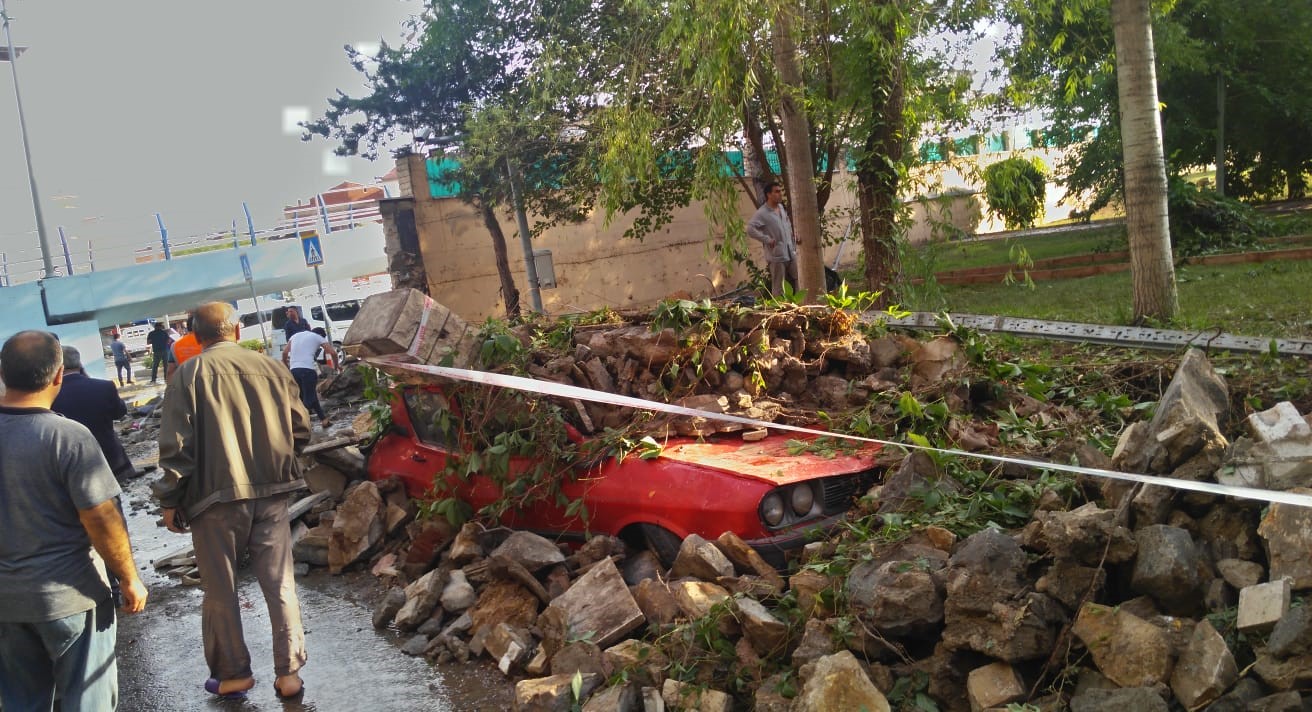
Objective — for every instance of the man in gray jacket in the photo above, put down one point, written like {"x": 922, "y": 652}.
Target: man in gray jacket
{"x": 231, "y": 424}
{"x": 770, "y": 226}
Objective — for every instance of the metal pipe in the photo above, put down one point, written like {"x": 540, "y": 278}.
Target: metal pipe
{"x": 44, "y": 239}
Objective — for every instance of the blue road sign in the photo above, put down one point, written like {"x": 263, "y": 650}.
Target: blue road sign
{"x": 246, "y": 267}
{"x": 313, "y": 250}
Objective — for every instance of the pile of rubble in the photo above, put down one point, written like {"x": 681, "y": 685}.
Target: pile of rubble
{"x": 1140, "y": 598}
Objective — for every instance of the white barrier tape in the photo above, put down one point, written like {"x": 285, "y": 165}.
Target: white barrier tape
{"x": 550, "y": 388}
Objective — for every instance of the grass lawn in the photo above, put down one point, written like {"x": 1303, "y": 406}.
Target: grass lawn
{"x": 1267, "y": 299}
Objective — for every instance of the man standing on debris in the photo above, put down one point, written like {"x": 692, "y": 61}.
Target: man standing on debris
{"x": 94, "y": 403}
{"x": 299, "y": 355}
{"x": 230, "y": 427}
{"x": 770, "y": 226}
{"x": 159, "y": 341}
{"x": 57, "y": 628}
{"x": 122, "y": 361}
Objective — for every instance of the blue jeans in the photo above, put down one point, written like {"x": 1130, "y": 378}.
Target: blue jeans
{"x": 308, "y": 380}
{"x": 74, "y": 655}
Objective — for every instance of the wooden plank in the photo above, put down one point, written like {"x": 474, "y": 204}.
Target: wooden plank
{"x": 331, "y": 444}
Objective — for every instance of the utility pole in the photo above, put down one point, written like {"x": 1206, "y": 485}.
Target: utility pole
{"x": 44, "y": 239}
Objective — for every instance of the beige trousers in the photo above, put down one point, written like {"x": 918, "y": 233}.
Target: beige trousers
{"x": 221, "y": 535}
{"x": 779, "y": 271}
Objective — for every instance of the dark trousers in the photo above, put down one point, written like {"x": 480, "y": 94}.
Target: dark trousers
{"x": 122, "y": 367}
{"x": 156, "y": 362}
{"x": 308, "y": 380}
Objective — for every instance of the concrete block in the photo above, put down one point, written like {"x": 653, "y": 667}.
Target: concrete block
{"x": 993, "y": 685}
{"x": 1261, "y": 606}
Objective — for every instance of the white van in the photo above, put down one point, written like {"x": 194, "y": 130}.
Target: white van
{"x": 340, "y": 315}
{"x": 273, "y": 321}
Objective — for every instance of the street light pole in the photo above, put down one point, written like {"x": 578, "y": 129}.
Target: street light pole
{"x": 12, "y": 56}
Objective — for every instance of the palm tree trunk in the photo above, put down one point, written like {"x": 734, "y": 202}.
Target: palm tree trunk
{"x": 1145, "y": 166}
{"x": 797, "y": 147}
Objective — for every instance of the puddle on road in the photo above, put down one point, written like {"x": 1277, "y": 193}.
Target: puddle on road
{"x": 351, "y": 666}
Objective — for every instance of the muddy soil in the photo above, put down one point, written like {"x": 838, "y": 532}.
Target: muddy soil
{"x": 351, "y": 666}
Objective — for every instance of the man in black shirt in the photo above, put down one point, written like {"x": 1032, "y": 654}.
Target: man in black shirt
{"x": 159, "y": 341}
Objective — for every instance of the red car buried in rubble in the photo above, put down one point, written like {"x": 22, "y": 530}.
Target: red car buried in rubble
{"x": 772, "y": 499}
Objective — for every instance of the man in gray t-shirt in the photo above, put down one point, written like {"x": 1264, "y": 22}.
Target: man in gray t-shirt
{"x": 57, "y": 629}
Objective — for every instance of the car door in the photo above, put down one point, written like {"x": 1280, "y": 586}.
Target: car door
{"x": 416, "y": 449}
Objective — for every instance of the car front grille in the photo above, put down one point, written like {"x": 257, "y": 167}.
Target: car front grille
{"x": 838, "y": 492}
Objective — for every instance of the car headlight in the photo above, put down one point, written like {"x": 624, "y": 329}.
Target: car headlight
{"x": 772, "y": 509}
{"x": 803, "y": 497}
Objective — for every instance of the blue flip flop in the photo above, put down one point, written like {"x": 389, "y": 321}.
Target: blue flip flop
{"x": 212, "y": 687}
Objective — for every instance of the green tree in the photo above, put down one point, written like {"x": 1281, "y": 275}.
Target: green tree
{"x": 1016, "y": 188}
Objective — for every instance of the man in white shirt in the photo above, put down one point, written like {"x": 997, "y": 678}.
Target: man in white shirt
{"x": 299, "y": 355}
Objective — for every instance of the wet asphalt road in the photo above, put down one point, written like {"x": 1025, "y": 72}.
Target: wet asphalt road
{"x": 351, "y": 666}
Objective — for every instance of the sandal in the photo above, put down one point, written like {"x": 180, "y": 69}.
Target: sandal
{"x": 212, "y": 687}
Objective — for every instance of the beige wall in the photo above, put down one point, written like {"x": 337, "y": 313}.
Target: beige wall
{"x": 595, "y": 266}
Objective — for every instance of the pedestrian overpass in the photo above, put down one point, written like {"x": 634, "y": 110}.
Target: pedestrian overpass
{"x": 77, "y": 307}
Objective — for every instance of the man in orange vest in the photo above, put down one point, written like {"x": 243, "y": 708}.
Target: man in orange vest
{"x": 186, "y": 347}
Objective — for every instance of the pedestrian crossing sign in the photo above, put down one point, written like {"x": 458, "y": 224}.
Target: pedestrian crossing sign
{"x": 313, "y": 250}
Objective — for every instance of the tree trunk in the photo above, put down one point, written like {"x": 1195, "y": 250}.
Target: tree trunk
{"x": 878, "y": 181}
{"x": 1145, "y": 166}
{"x": 797, "y": 147}
{"x": 509, "y": 292}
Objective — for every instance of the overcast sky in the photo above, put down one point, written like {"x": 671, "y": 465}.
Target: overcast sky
{"x": 175, "y": 107}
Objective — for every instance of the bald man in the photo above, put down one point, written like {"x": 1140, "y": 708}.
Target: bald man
{"x": 231, "y": 424}
{"x": 57, "y": 627}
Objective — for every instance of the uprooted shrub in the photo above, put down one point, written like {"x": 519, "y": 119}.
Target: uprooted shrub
{"x": 1204, "y": 222}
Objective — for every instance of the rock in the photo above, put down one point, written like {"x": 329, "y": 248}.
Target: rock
{"x": 769, "y": 694}
{"x": 579, "y": 656}
{"x": 643, "y": 663}
{"x": 817, "y": 642}
{"x": 656, "y": 602}
{"x": 322, "y": 478}
{"x": 698, "y": 599}
{"x": 415, "y": 646}
{"x": 1084, "y": 535}
{"x": 551, "y": 694}
{"x": 347, "y": 460}
{"x": 599, "y": 605}
{"x": 916, "y": 477}
{"x": 312, "y": 548}
{"x": 1130, "y": 651}
{"x": 988, "y": 609}
{"x": 1287, "y": 531}
{"x": 421, "y": 598}
{"x": 507, "y": 645}
{"x": 994, "y": 685}
{"x": 755, "y": 435}
{"x": 1290, "y": 701}
{"x": 530, "y": 551}
{"x": 387, "y": 608}
{"x": 700, "y": 559}
{"x": 693, "y": 698}
{"x": 935, "y": 359}
{"x": 427, "y": 540}
{"x": 641, "y": 566}
{"x": 537, "y": 665}
{"x": 1188, "y": 420}
{"x": 357, "y": 527}
{"x": 1261, "y": 606}
{"x": 1246, "y": 691}
{"x": 1239, "y": 573}
{"x": 746, "y": 560}
{"x": 503, "y": 602}
{"x": 458, "y": 595}
{"x": 1069, "y": 582}
{"x": 1167, "y": 568}
{"x": 1205, "y": 670}
{"x": 1138, "y": 699}
{"x": 1281, "y": 457}
{"x": 1290, "y": 673}
{"x": 433, "y": 626}
{"x": 838, "y": 682}
{"x": 595, "y": 549}
{"x": 898, "y": 598}
{"x": 598, "y": 376}
{"x": 500, "y": 566}
{"x": 767, "y": 634}
{"x": 652, "y": 700}
{"x": 620, "y": 698}
{"x": 809, "y": 587}
{"x": 1292, "y": 634}
{"x": 466, "y": 547}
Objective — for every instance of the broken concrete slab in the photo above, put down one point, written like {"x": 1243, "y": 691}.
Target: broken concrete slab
{"x": 1287, "y": 533}
{"x": 357, "y": 528}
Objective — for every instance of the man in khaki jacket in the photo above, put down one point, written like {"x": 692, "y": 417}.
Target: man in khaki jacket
{"x": 232, "y": 422}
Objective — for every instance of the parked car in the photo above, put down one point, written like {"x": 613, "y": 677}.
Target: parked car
{"x": 765, "y": 492}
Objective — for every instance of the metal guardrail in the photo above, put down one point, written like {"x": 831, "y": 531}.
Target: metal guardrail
{"x": 1132, "y": 336}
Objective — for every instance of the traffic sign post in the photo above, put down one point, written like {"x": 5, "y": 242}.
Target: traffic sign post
{"x": 250, "y": 282}
{"x": 313, "y": 250}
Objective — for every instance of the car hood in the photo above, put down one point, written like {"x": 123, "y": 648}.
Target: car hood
{"x": 771, "y": 459}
